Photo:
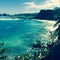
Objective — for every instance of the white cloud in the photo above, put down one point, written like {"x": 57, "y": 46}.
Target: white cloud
{"x": 51, "y": 4}
{"x": 48, "y": 4}
{"x": 32, "y": 5}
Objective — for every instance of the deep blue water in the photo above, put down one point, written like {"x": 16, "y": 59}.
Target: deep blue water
{"x": 19, "y": 34}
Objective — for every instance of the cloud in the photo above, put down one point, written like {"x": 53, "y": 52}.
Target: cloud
{"x": 31, "y": 5}
{"x": 48, "y": 4}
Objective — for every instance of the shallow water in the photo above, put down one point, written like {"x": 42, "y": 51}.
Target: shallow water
{"x": 19, "y": 34}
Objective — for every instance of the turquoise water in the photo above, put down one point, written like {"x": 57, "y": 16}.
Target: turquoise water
{"x": 19, "y": 34}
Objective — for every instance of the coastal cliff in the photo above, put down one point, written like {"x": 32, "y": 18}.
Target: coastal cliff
{"x": 48, "y": 14}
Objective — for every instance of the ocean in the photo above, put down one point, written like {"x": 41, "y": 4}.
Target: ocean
{"x": 19, "y": 34}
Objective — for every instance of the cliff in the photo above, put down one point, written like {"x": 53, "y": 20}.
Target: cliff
{"x": 48, "y": 15}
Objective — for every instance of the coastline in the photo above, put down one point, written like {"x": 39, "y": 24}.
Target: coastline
{"x": 9, "y": 19}
{"x": 49, "y": 26}
{"x": 51, "y": 23}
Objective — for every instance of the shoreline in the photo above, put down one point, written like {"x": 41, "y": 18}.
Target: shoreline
{"x": 8, "y": 19}
{"x": 51, "y": 23}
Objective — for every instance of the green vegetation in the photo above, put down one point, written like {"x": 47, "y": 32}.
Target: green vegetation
{"x": 54, "y": 53}
{"x": 3, "y": 52}
{"x": 25, "y": 16}
{"x": 19, "y": 16}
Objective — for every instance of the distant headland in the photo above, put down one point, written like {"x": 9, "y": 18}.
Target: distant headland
{"x": 48, "y": 14}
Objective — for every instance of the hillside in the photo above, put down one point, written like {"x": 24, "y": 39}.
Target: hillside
{"x": 48, "y": 14}
{"x": 19, "y": 16}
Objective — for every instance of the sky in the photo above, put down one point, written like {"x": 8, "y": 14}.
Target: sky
{"x": 26, "y": 6}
